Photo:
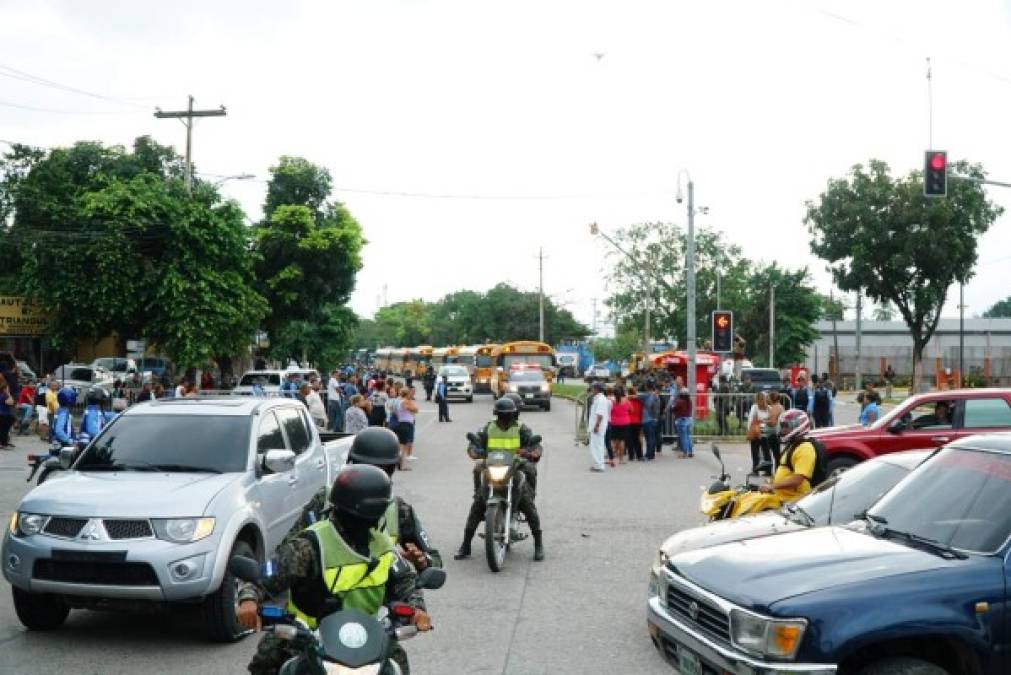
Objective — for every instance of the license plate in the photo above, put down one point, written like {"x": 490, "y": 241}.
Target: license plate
{"x": 528, "y": 395}
{"x": 688, "y": 663}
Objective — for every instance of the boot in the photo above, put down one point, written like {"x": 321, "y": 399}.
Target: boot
{"x": 464, "y": 550}
{"x": 538, "y": 545}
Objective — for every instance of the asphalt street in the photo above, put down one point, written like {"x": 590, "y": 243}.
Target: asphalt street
{"x": 582, "y": 610}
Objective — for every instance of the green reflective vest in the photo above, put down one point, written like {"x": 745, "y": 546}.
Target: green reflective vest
{"x": 503, "y": 439}
{"x": 346, "y": 574}
{"x": 390, "y": 524}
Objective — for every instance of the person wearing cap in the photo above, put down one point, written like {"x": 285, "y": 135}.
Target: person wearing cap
{"x": 600, "y": 414}
{"x": 334, "y": 409}
{"x": 345, "y": 557}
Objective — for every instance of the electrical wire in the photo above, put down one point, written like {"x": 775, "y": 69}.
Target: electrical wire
{"x": 33, "y": 108}
{"x": 14, "y": 73}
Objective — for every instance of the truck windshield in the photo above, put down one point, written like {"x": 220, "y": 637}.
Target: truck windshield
{"x": 216, "y": 444}
{"x": 960, "y": 498}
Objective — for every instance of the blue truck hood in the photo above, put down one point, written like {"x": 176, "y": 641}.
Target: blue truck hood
{"x": 126, "y": 494}
{"x": 756, "y": 573}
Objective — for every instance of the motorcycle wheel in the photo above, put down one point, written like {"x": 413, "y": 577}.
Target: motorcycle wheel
{"x": 496, "y": 542}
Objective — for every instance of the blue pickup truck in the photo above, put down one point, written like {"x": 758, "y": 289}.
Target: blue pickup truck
{"x": 917, "y": 585}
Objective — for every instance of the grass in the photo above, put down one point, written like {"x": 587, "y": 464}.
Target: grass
{"x": 569, "y": 390}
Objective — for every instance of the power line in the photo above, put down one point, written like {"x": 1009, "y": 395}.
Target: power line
{"x": 65, "y": 112}
{"x": 14, "y": 73}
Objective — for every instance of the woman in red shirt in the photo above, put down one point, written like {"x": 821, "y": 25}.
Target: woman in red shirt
{"x": 621, "y": 418}
{"x": 635, "y": 426}
{"x": 26, "y": 406}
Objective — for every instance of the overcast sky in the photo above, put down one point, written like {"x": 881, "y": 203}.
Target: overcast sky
{"x": 466, "y": 135}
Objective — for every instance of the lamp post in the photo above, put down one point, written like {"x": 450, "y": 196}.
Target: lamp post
{"x": 239, "y": 176}
{"x": 690, "y": 273}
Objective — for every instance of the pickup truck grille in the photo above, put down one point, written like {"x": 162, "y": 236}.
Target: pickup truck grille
{"x": 530, "y": 390}
{"x": 703, "y": 614}
{"x": 103, "y": 573}
{"x": 65, "y": 527}
{"x": 127, "y": 529}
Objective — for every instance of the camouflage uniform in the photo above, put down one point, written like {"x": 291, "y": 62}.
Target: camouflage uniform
{"x": 525, "y": 500}
{"x": 410, "y": 529}
{"x": 297, "y": 562}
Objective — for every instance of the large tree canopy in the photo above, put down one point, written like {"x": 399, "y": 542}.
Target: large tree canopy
{"x": 881, "y": 236}
{"x": 999, "y": 310}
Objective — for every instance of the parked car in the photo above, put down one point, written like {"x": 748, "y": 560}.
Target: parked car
{"x": 914, "y": 425}
{"x": 158, "y": 366}
{"x": 150, "y": 512}
{"x": 531, "y": 386}
{"x": 458, "y": 382}
{"x": 920, "y": 585}
{"x": 763, "y": 379}
{"x": 25, "y": 372}
{"x": 598, "y": 371}
{"x": 83, "y": 378}
{"x": 272, "y": 380}
{"x": 568, "y": 364}
{"x": 836, "y": 501}
{"x": 120, "y": 367}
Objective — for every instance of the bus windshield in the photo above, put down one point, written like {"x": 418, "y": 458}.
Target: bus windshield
{"x": 484, "y": 361}
{"x": 542, "y": 360}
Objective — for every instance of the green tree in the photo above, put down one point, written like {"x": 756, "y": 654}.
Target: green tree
{"x": 405, "y": 324}
{"x": 883, "y": 312}
{"x": 881, "y": 236}
{"x": 309, "y": 251}
{"x": 797, "y": 307}
{"x": 999, "y": 310}
{"x": 618, "y": 348}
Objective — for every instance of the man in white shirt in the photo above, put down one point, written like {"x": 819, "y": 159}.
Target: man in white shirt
{"x": 600, "y": 413}
{"x": 333, "y": 401}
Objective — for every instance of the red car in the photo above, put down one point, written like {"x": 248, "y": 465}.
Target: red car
{"x": 919, "y": 423}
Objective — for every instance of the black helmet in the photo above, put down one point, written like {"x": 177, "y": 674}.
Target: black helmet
{"x": 376, "y": 446}
{"x": 97, "y": 396}
{"x": 362, "y": 491}
{"x": 517, "y": 401}
{"x": 505, "y": 406}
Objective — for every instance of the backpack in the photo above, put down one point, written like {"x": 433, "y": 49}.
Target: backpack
{"x": 821, "y": 400}
{"x": 820, "y": 465}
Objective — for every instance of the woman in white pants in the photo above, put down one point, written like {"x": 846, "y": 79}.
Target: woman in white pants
{"x": 600, "y": 413}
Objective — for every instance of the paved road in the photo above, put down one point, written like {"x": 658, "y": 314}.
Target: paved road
{"x": 581, "y": 610}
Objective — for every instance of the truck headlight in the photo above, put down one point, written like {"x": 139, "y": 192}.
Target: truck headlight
{"x": 659, "y": 561}
{"x": 183, "y": 530}
{"x": 545, "y": 387}
{"x": 27, "y": 524}
{"x": 513, "y": 388}
{"x": 779, "y": 638}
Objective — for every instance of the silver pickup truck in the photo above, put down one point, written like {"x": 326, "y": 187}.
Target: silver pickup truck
{"x": 151, "y": 511}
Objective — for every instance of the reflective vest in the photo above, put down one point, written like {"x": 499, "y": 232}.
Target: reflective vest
{"x": 346, "y": 574}
{"x": 390, "y": 524}
{"x": 503, "y": 439}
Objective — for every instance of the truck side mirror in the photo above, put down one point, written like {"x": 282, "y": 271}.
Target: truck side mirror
{"x": 279, "y": 461}
{"x": 67, "y": 455}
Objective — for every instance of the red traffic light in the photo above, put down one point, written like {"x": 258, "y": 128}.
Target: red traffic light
{"x": 937, "y": 161}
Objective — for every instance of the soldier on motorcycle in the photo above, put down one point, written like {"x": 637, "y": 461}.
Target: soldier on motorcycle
{"x": 344, "y": 556}
{"x": 504, "y": 433}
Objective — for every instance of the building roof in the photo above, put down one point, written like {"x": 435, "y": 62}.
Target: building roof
{"x": 944, "y": 327}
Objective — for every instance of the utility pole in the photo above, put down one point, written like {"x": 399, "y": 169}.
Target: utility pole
{"x": 719, "y": 279}
{"x": 594, "y": 317}
{"x": 772, "y": 325}
{"x": 186, "y": 117}
{"x": 690, "y": 265}
{"x": 961, "y": 332}
{"x": 540, "y": 298}
{"x": 645, "y": 328}
{"x": 834, "y": 360}
{"x": 858, "y": 376}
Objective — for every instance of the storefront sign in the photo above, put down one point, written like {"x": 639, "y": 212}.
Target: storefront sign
{"x": 21, "y": 316}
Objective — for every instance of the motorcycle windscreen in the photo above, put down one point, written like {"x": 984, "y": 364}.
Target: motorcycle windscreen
{"x": 499, "y": 458}
{"x": 353, "y": 639}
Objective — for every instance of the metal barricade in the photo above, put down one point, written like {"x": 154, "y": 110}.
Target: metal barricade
{"x": 582, "y": 434}
{"x": 718, "y": 415}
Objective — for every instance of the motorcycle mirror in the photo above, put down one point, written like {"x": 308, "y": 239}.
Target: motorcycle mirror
{"x": 535, "y": 440}
{"x": 431, "y": 578}
{"x": 244, "y": 568}
{"x": 473, "y": 438}
{"x": 67, "y": 456}
{"x": 716, "y": 451}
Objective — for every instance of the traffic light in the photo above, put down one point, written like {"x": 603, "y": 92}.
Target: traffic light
{"x": 935, "y": 173}
{"x": 723, "y": 331}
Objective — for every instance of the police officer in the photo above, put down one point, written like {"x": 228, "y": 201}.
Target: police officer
{"x": 529, "y": 468}
{"x": 344, "y": 557}
{"x": 379, "y": 447}
{"x": 504, "y": 433}
{"x": 63, "y": 425}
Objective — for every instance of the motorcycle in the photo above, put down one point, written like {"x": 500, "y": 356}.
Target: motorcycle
{"x": 345, "y": 641}
{"x": 502, "y": 478}
{"x": 721, "y": 501}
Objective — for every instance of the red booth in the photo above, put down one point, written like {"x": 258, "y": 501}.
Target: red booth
{"x": 707, "y": 365}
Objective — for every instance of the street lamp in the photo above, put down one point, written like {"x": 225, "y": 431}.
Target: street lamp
{"x": 240, "y": 176}
{"x": 690, "y": 273}
{"x": 595, "y": 231}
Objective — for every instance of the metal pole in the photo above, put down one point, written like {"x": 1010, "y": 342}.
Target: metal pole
{"x": 540, "y": 300}
{"x": 189, "y": 147}
{"x": 858, "y": 375}
{"x": 691, "y": 294}
{"x": 961, "y": 332}
{"x": 645, "y": 331}
{"x": 772, "y": 326}
{"x": 719, "y": 278}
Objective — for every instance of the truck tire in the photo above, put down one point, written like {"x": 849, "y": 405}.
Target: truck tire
{"x": 39, "y": 611}
{"x": 837, "y": 465}
{"x": 903, "y": 666}
{"x": 470, "y": 399}
{"x": 219, "y": 607}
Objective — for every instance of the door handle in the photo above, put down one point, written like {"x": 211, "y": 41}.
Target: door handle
{"x": 940, "y": 439}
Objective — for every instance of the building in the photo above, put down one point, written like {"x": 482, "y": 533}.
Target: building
{"x": 886, "y": 343}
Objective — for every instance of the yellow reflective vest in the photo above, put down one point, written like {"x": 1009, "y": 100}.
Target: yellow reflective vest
{"x": 503, "y": 439}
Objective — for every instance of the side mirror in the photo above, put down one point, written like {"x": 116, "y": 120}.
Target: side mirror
{"x": 535, "y": 440}
{"x": 473, "y": 438}
{"x": 279, "y": 461}
{"x": 244, "y": 568}
{"x": 716, "y": 451}
{"x": 431, "y": 578}
{"x": 67, "y": 455}
{"x": 898, "y": 426}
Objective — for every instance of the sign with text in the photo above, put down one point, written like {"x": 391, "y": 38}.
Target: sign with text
{"x": 21, "y": 316}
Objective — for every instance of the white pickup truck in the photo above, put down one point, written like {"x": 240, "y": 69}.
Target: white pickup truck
{"x": 151, "y": 511}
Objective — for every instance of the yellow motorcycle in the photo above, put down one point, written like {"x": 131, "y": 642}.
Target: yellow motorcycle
{"x": 721, "y": 501}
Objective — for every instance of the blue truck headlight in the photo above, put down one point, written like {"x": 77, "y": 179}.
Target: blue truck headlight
{"x": 779, "y": 638}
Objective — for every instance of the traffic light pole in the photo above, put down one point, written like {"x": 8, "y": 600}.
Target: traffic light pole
{"x": 690, "y": 269}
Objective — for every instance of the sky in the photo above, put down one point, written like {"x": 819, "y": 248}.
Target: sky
{"x": 465, "y": 136}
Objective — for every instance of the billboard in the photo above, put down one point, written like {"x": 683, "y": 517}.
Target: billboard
{"x": 21, "y": 316}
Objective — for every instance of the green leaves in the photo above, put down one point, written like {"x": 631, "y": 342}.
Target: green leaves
{"x": 999, "y": 310}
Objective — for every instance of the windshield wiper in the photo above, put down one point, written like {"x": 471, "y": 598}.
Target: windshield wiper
{"x": 185, "y": 468}
{"x": 118, "y": 466}
{"x": 879, "y": 528}
{"x": 795, "y": 509}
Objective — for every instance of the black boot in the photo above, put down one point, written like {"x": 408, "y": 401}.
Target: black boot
{"x": 464, "y": 550}
{"x": 538, "y": 545}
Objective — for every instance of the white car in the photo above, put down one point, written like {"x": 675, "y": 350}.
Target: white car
{"x": 83, "y": 378}
{"x": 598, "y": 371}
{"x": 272, "y": 380}
{"x": 458, "y": 382}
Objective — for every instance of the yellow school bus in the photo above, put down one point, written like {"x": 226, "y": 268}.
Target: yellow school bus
{"x": 398, "y": 357}
{"x": 484, "y": 366}
{"x": 383, "y": 358}
{"x": 422, "y": 359}
{"x": 525, "y": 352}
{"x": 466, "y": 357}
{"x": 439, "y": 356}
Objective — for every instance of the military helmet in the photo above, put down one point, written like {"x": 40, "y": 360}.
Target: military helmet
{"x": 517, "y": 401}
{"x": 97, "y": 396}
{"x": 505, "y": 406}
{"x": 376, "y": 446}
{"x": 362, "y": 491}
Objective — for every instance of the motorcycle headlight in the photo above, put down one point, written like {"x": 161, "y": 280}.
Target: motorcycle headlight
{"x": 330, "y": 668}
{"x": 778, "y": 638}
{"x": 183, "y": 530}
{"x": 708, "y": 502}
{"x": 498, "y": 473}
{"x": 27, "y": 524}
{"x": 513, "y": 388}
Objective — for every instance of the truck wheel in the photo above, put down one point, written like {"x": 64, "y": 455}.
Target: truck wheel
{"x": 219, "y": 607}
{"x": 39, "y": 611}
{"x": 903, "y": 666}
{"x": 470, "y": 399}
{"x": 837, "y": 465}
